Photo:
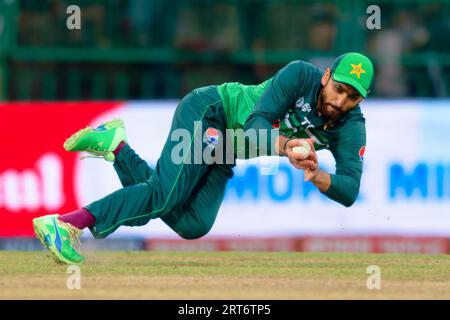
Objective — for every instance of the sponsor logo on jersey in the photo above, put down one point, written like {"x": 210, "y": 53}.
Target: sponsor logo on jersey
{"x": 361, "y": 153}
{"x": 212, "y": 136}
{"x": 300, "y": 104}
{"x": 306, "y": 107}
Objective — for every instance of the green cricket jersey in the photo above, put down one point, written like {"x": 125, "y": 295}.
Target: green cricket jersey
{"x": 289, "y": 101}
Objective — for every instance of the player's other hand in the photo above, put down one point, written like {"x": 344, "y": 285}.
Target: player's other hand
{"x": 299, "y": 161}
{"x": 310, "y": 174}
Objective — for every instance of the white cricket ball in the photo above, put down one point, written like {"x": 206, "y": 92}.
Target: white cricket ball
{"x": 303, "y": 150}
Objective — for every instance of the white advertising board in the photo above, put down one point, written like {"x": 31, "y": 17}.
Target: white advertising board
{"x": 405, "y": 187}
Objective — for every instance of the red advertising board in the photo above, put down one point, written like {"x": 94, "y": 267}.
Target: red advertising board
{"x": 339, "y": 243}
{"x": 36, "y": 174}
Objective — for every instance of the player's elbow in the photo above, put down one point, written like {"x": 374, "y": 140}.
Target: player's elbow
{"x": 350, "y": 197}
{"x": 348, "y": 201}
{"x": 344, "y": 190}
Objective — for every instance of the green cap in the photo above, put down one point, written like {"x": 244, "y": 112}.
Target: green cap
{"x": 355, "y": 70}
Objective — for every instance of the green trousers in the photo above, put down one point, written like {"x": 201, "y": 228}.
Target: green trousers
{"x": 187, "y": 195}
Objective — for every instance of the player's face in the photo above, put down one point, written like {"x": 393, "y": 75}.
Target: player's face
{"x": 336, "y": 98}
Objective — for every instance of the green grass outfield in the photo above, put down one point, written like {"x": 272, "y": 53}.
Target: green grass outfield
{"x": 225, "y": 275}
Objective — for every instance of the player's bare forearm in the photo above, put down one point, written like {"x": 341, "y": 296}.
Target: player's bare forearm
{"x": 320, "y": 178}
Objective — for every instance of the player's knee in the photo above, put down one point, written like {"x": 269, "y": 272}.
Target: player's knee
{"x": 196, "y": 232}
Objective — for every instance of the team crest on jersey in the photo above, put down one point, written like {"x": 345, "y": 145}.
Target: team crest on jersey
{"x": 361, "y": 153}
{"x": 300, "y": 104}
{"x": 211, "y": 136}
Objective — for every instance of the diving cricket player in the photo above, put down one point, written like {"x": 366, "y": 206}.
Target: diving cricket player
{"x": 299, "y": 103}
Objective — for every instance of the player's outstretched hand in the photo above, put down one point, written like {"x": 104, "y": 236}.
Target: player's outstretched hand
{"x": 299, "y": 161}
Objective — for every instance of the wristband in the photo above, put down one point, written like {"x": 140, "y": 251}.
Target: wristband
{"x": 284, "y": 145}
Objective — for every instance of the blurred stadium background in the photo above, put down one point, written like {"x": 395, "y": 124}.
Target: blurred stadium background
{"x": 134, "y": 59}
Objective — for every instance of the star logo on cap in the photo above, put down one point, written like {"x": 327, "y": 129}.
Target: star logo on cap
{"x": 357, "y": 69}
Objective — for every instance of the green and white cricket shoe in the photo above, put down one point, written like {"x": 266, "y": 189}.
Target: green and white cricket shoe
{"x": 60, "y": 238}
{"x": 98, "y": 142}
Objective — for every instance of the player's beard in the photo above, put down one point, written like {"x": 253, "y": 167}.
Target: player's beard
{"x": 327, "y": 111}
